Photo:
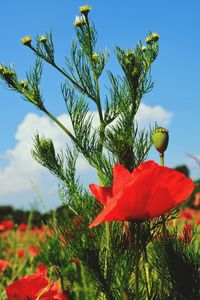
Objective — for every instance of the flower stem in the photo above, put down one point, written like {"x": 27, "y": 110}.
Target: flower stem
{"x": 162, "y": 163}
{"x": 146, "y": 266}
{"x": 105, "y": 242}
{"x": 137, "y": 259}
{"x": 163, "y": 243}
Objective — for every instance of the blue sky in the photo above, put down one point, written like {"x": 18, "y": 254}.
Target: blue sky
{"x": 176, "y": 72}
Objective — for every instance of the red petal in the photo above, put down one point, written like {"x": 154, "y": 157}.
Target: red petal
{"x": 147, "y": 165}
{"x": 169, "y": 189}
{"x": 101, "y": 193}
{"x": 121, "y": 176}
{"x": 106, "y": 215}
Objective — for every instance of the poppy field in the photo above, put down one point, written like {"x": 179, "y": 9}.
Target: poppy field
{"x": 24, "y": 275}
{"x": 133, "y": 235}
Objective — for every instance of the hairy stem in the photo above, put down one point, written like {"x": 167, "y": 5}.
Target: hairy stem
{"x": 146, "y": 266}
{"x": 163, "y": 243}
{"x": 137, "y": 259}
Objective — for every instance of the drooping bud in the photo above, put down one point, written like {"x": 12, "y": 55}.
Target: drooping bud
{"x": 85, "y": 9}
{"x": 160, "y": 139}
{"x": 26, "y": 40}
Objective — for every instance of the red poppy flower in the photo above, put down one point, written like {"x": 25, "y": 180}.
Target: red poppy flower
{"x": 186, "y": 215}
{"x": 33, "y": 251}
{"x": 3, "y": 265}
{"x": 186, "y": 234}
{"x": 6, "y": 224}
{"x": 30, "y": 287}
{"x": 149, "y": 191}
{"x": 41, "y": 269}
{"x": 21, "y": 253}
{"x": 22, "y": 227}
{"x": 197, "y": 199}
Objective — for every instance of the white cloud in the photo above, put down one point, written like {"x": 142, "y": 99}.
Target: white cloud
{"x": 21, "y": 169}
{"x": 148, "y": 115}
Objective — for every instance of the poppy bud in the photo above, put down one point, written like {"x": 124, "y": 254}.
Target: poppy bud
{"x": 160, "y": 138}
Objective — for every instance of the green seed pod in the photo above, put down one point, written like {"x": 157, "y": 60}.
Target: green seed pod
{"x": 160, "y": 138}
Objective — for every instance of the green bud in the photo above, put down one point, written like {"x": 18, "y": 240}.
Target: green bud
{"x": 95, "y": 56}
{"x": 7, "y": 73}
{"x": 153, "y": 37}
{"x": 23, "y": 84}
{"x": 144, "y": 48}
{"x": 160, "y": 138}
{"x": 129, "y": 53}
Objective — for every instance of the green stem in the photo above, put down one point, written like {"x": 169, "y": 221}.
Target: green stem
{"x": 146, "y": 265}
{"x": 105, "y": 242}
{"x": 163, "y": 244}
{"x": 162, "y": 159}
{"x": 80, "y": 88}
{"x": 83, "y": 278}
{"x": 137, "y": 259}
{"x": 51, "y": 116}
{"x": 163, "y": 258}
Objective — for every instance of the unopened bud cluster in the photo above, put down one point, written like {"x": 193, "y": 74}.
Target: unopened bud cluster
{"x": 4, "y": 71}
{"x": 82, "y": 20}
{"x": 95, "y": 57}
{"x": 130, "y": 57}
{"x": 79, "y": 21}
{"x": 153, "y": 37}
{"x": 23, "y": 84}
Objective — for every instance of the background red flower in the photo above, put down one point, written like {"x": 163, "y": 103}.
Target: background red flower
{"x": 3, "y": 265}
{"x": 29, "y": 287}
